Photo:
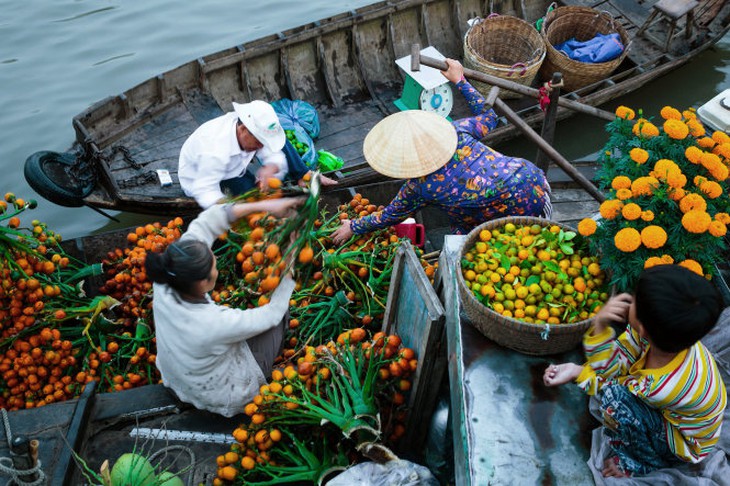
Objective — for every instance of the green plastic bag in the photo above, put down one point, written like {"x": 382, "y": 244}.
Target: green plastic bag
{"x": 327, "y": 162}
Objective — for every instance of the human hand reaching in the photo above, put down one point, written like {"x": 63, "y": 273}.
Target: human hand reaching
{"x": 561, "y": 373}
{"x": 455, "y": 71}
{"x": 615, "y": 310}
{"x": 264, "y": 174}
{"x": 343, "y": 233}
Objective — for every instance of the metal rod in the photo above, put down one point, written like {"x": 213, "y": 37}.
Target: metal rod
{"x": 518, "y": 88}
{"x": 103, "y": 213}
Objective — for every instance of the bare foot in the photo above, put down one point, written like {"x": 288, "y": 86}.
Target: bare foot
{"x": 611, "y": 469}
{"x": 326, "y": 181}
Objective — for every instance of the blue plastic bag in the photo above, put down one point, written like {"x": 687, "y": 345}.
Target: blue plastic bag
{"x": 601, "y": 48}
{"x": 300, "y": 117}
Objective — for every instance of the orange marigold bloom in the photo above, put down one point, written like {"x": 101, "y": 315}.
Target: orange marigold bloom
{"x": 627, "y": 240}
{"x": 636, "y": 129}
{"x": 663, "y": 167}
{"x": 692, "y": 265}
{"x": 723, "y": 150}
{"x": 699, "y": 180}
{"x": 647, "y": 215}
{"x": 719, "y": 172}
{"x": 706, "y": 142}
{"x": 653, "y": 236}
{"x": 625, "y": 112}
{"x": 696, "y": 221}
{"x": 667, "y": 259}
{"x": 649, "y": 130}
{"x": 587, "y": 226}
{"x": 631, "y": 211}
{"x": 689, "y": 114}
{"x": 676, "y": 194}
{"x": 693, "y": 154}
{"x": 639, "y": 155}
{"x": 676, "y": 179}
{"x": 623, "y": 194}
{"x": 676, "y": 129}
{"x": 610, "y": 208}
{"x": 692, "y": 202}
{"x": 695, "y": 128}
{"x": 724, "y": 218}
{"x": 709, "y": 160}
{"x": 653, "y": 262}
{"x": 717, "y": 229}
{"x": 669, "y": 113}
{"x": 621, "y": 182}
{"x": 720, "y": 137}
{"x": 711, "y": 188}
{"x": 644, "y": 186}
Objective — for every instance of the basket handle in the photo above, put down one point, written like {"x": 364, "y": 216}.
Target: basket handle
{"x": 514, "y": 70}
{"x": 539, "y": 22}
{"x": 492, "y": 15}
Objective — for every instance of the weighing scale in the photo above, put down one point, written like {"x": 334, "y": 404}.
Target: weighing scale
{"x": 426, "y": 89}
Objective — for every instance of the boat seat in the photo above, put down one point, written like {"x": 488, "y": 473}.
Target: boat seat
{"x": 672, "y": 11}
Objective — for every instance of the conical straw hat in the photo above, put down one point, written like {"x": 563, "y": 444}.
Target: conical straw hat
{"x": 410, "y": 144}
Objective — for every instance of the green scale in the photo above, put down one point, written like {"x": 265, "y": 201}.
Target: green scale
{"x": 426, "y": 89}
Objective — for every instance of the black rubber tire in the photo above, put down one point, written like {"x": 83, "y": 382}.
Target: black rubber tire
{"x": 38, "y": 169}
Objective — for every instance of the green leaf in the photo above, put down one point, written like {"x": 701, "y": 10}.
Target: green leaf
{"x": 552, "y": 266}
{"x": 532, "y": 279}
{"x": 504, "y": 262}
{"x": 566, "y": 248}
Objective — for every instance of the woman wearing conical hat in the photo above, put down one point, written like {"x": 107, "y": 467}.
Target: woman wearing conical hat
{"x": 447, "y": 166}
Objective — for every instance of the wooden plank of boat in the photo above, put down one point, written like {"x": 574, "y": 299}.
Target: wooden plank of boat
{"x": 345, "y": 66}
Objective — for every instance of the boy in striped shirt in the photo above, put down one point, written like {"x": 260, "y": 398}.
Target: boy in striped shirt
{"x": 661, "y": 393}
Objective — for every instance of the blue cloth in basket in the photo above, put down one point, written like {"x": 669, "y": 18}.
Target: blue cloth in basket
{"x": 601, "y": 48}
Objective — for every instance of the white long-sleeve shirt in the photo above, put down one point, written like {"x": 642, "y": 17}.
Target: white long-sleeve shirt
{"x": 212, "y": 154}
{"x": 201, "y": 347}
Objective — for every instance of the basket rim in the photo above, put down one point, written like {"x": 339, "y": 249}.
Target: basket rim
{"x": 561, "y": 328}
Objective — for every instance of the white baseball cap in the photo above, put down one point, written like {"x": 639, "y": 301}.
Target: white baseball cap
{"x": 260, "y": 119}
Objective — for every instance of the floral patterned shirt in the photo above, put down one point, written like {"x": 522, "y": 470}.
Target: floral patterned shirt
{"x": 476, "y": 185}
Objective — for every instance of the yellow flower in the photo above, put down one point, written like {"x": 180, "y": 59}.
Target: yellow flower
{"x": 723, "y": 150}
{"x": 693, "y": 154}
{"x": 667, "y": 259}
{"x": 719, "y": 172}
{"x": 610, "y": 208}
{"x": 587, "y": 226}
{"x": 709, "y": 161}
{"x": 696, "y": 221}
{"x": 636, "y": 129}
{"x": 689, "y": 114}
{"x": 711, "y": 188}
{"x": 724, "y": 218}
{"x": 623, "y": 194}
{"x": 676, "y": 179}
{"x": 692, "y": 265}
{"x": 653, "y": 262}
{"x": 653, "y": 236}
{"x": 676, "y": 194}
{"x": 721, "y": 137}
{"x": 664, "y": 167}
{"x": 695, "y": 127}
{"x": 647, "y": 215}
{"x": 631, "y": 211}
{"x": 706, "y": 142}
{"x": 644, "y": 186}
{"x": 717, "y": 229}
{"x": 627, "y": 240}
{"x": 625, "y": 113}
{"x": 699, "y": 180}
{"x": 676, "y": 129}
{"x": 621, "y": 182}
{"x": 649, "y": 130}
{"x": 692, "y": 202}
{"x": 669, "y": 113}
{"x": 639, "y": 155}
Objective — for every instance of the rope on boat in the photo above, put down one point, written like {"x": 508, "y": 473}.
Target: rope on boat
{"x": 6, "y": 463}
{"x": 181, "y": 448}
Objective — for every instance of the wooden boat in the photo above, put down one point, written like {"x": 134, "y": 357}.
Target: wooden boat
{"x": 343, "y": 65}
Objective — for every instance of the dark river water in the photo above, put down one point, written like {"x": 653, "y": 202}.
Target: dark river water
{"x": 58, "y": 57}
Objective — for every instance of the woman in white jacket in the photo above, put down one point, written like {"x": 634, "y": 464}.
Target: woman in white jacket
{"x": 212, "y": 356}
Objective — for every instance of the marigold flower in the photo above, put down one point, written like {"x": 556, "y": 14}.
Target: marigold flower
{"x": 676, "y": 194}
{"x": 644, "y": 186}
{"x": 719, "y": 172}
{"x": 625, "y": 112}
{"x": 709, "y": 161}
{"x": 639, "y": 155}
{"x": 621, "y": 182}
{"x": 695, "y": 127}
{"x": 636, "y": 129}
{"x": 717, "y": 229}
{"x": 693, "y": 154}
{"x": 631, "y": 211}
{"x": 627, "y": 240}
{"x": 653, "y": 236}
{"x": 676, "y": 129}
{"x": 669, "y": 113}
{"x": 647, "y": 215}
{"x": 676, "y": 179}
{"x": 706, "y": 142}
{"x": 610, "y": 208}
{"x": 720, "y": 137}
{"x": 711, "y": 188}
{"x": 587, "y": 226}
{"x": 723, "y": 150}
{"x": 698, "y": 180}
{"x": 696, "y": 221}
{"x": 623, "y": 194}
{"x": 692, "y": 265}
{"x": 667, "y": 259}
{"x": 692, "y": 202}
{"x": 689, "y": 114}
{"x": 653, "y": 262}
{"x": 649, "y": 130}
{"x": 724, "y": 218}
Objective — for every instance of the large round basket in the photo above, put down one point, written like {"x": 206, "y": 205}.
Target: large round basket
{"x": 583, "y": 23}
{"x": 506, "y": 47}
{"x": 527, "y": 338}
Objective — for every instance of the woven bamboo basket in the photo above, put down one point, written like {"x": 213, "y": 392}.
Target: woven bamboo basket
{"x": 583, "y": 23}
{"x": 527, "y": 338}
{"x": 506, "y": 47}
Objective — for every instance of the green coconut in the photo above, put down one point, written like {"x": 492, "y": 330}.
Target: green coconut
{"x": 166, "y": 478}
{"x": 133, "y": 470}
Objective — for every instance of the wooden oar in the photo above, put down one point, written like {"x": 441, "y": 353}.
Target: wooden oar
{"x": 512, "y": 86}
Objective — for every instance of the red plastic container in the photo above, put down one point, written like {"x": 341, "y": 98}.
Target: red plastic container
{"x": 413, "y": 231}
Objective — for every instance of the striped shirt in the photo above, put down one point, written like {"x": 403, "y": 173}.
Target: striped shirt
{"x": 688, "y": 391}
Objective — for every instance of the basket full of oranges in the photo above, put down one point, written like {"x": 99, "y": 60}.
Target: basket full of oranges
{"x": 529, "y": 284}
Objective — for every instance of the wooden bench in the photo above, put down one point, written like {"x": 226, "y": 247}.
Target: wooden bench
{"x": 673, "y": 11}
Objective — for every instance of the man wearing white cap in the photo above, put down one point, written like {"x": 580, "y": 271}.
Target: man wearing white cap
{"x": 215, "y": 157}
